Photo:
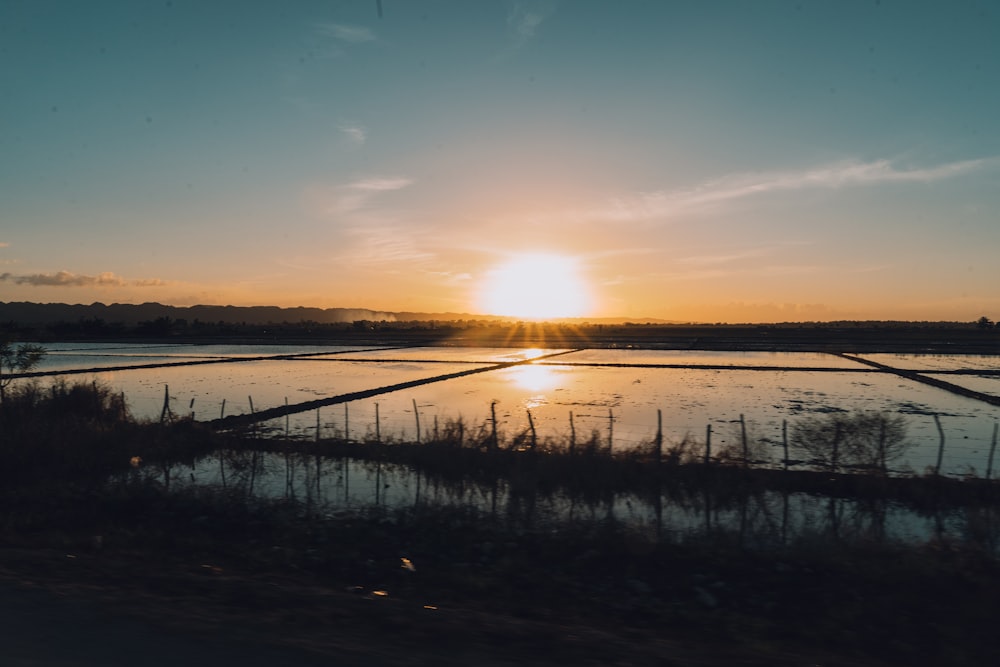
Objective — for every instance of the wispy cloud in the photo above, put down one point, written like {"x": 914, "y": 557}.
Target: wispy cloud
{"x": 351, "y": 197}
{"x": 525, "y": 18}
{"x": 384, "y": 245}
{"x": 739, "y": 186}
{"x": 342, "y": 32}
{"x": 67, "y": 279}
{"x": 356, "y": 134}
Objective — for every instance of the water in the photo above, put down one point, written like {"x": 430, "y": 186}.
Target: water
{"x": 341, "y": 486}
{"x": 612, "y": 394}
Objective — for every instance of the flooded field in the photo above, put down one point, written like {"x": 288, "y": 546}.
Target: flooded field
{"x": 619, "y": 396}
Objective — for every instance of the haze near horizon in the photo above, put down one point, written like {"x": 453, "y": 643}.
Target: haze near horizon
{"x": 720, "y": 162}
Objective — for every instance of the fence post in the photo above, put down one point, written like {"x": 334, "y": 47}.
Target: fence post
{"x": 708, "y": 443}
{"x": 937, "y": 468}
{"x": 165, "y": 413}
{"x": 531, "y": 424}
{"x": 572, "y": 434}
{"x": 784, "y": 439}
{"x": 611, "y": 430}
{"x": 378, "y": 426}
{"x": 659, "y": 436}
{"x": 416, "y": 416}
{"x": 743, "y": 436}
{"x": 317, "y": 425}
{"x": 222, "y": 412}
{"x": 347, "y": 426}
{"x": 993, "y": 447}
{"x": 493, "y": 419}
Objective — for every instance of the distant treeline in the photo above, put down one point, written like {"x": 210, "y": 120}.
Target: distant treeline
{"x": 153, "y": 321}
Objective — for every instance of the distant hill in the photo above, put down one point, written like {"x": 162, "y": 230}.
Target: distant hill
{"x": 35, "y": 314}
{"x": 25, "y": 313}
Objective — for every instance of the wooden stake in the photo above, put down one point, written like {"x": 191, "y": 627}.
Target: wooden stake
{"x": 993, "y": 447}
{"x": 743, "y": 437}
{"x": 659, "y": 435}
{"x": 493, "y": 415}
{"x": 572, "y": 434}
{"x": 531, "y": 424}
{"x": 611, "y": 430}
{"x": 784, "y": 439}
{"x": 416, "y": 416}
{"x": 708, "y": 443}
{"x": 378, "y": 427}
{"x": 165, "y": 413}
{"x": 937, "y": 468}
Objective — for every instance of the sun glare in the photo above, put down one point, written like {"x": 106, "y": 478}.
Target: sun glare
{"x": 535, "y": 287}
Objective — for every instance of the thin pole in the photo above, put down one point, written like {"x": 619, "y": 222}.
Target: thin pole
{"x": 611, "y": 430}
{"x": 416, "y": 416}
{"x": 572, "y": 434}
{"x": 531, "y": 424}
{"x": 347, "y": 427}
{"x": 222, "y": 458}
{"x": 784, "y": 439}
{"x": 493, "y": 415}
{"x": 743, "y": 436}
{"x": 937, "y": 422}
{"x": 166, "y": 404}
{"x": 659, "y": 435}
{"x": 708, "y": 443}
{"x": 378, "y": 426}
{"x": 317, "y": 425}
{"x": 993, "y": 447}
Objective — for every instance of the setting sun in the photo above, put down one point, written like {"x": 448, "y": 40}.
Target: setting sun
{"x": 535, "y": 286}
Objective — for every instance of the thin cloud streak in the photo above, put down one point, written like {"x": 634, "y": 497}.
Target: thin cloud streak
{"x": 740, "y": 186}
{"x": 68, "y": 279}
{"x": 353, "y": 34}
{"x": 355, "y": 134}
{"x": 351, "y": 197}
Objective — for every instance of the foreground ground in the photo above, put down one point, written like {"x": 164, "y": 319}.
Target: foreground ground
{"x": 469, "y": 594}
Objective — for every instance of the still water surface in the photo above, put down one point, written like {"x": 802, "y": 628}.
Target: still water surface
{"x": 615, "y": 394}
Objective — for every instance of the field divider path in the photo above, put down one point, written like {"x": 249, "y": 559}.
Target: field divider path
{"x": 235, "y": 421}
{"x": 920, "y": 377}
{"x": 710, "y": 367}
{"x": 197, "y": 362}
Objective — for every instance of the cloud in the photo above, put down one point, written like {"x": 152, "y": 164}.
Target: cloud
{"x": 739, "y": 186}
{"x": 342, "y": 32}
{"x": 352, "y": 197}
{"x": 380, "y": 184}
{"x": 67, "y": 279}
{"x": 355, "y": 134}
{"x": 525, "y": 18}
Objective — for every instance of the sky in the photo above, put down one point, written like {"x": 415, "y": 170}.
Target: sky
{"x": 711, "y": 161}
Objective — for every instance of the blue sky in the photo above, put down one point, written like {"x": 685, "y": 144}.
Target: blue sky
{"x": 710, "y": 161}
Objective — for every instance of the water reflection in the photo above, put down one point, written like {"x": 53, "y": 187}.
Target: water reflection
{"x": 533, "y": 378}
{"x": 668, "y": 510}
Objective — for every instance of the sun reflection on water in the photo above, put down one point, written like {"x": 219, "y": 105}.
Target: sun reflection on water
{"x": 533, "y": 377}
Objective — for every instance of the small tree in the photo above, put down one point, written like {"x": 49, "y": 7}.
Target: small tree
{"x": 17, "y": 359}
{"x": 861, "y": 439}
{"x": 984, "y": 323}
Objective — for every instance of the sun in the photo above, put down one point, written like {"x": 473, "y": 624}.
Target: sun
{"x": 535, "y": 286}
